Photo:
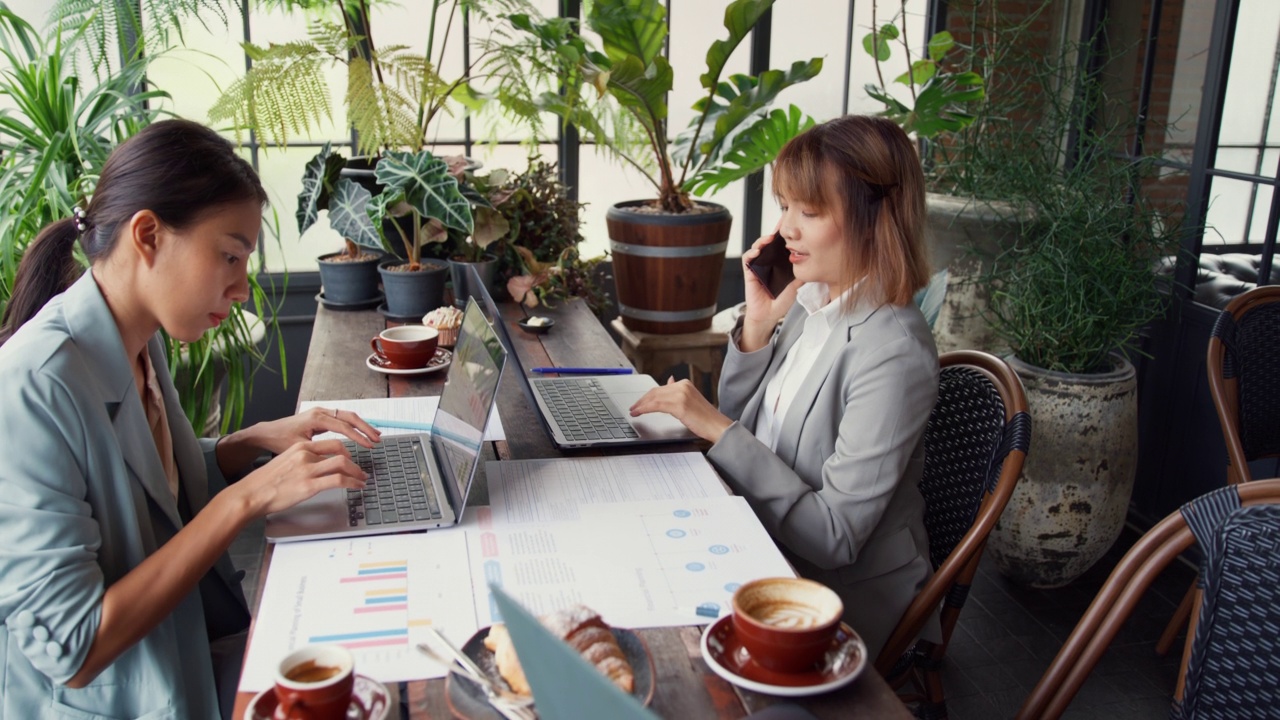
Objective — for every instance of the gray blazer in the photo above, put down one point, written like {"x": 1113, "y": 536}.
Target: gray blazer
{"x": 840, "y": 493}
{"x": 83, "y": 500}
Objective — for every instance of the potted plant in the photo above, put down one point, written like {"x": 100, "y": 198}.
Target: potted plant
{"x": 349, "y": 277}
{"x": 945, "y": 96}
{"x": 392, "y": 98}
{"x": 480, "y": 248}
{"x": 543, "y": 265}
{"x": 732, "y": 135}
{"x": 1069, "y": 294}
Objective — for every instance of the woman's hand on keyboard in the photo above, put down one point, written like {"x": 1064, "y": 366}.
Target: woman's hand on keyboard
{"x": 682, "y": 400}
{"x": 278, "y": 435}
{"x": 302, "y": 470}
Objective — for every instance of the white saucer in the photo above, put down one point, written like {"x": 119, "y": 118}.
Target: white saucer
{"x": 442, "y": 359}
{"x": 725, "y": 655}
{"x": 370, "y": 700}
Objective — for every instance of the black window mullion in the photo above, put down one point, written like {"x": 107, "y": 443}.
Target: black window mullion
{"x": 848, "y": 59}
{"x": 1213, "y": 93}
{"x": 568, "y": 144}
{"x": 1269, "y": 240}
{"x": 753, "y": 187}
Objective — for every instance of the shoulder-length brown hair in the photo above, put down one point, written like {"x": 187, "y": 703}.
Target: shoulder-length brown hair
{"x": 867, "y": 171}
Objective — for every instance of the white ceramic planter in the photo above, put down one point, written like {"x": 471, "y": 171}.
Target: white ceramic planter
{"x": 1071, "y": 501}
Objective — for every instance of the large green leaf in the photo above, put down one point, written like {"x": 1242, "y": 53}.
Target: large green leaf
{"x": 755, "y": 147}
{"x": 643, "y": 90}
{"x": 349, "y": 214}
{"x": 427, "y": 186}
{"x": 739, "y": 18}
{"x": 630, "y": 28}
{"x": 754, "y": 99}
{"x": 319, "y": 175}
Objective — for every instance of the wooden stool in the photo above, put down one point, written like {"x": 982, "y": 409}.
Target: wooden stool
{"x": 701, "y": 352}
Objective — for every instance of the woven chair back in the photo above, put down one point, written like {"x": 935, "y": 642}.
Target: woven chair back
{"x": 1235, "y": 656}
{"x": 961, "y": 441}
{"x": 1252, "y": 344}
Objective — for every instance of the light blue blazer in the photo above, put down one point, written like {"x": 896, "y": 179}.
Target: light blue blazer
{"x": 83, "y": 500}
{"x": 840, "y": 494}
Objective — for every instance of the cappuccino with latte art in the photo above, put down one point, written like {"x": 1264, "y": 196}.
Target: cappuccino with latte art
{"x": 786, "y": 624}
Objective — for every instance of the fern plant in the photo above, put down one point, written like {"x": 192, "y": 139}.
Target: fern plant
{"x": 54, "y": 141}
{"x": 734, "y": 132}
{"x": 392, "y": 94}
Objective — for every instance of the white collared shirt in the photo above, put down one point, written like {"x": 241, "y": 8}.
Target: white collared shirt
{"x": 824, "y": 314}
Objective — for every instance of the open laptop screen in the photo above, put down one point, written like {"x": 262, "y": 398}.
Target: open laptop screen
{"x": 465, "y": 403}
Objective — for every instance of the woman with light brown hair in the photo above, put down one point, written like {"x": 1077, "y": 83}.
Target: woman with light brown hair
{"x": 822, "y": 415}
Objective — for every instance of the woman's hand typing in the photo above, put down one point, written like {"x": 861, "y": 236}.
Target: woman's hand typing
{"x": 298, "y": 473}
{"x": 682, "y": 400}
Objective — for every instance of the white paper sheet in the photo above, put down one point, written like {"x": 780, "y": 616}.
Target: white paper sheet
{"x": 540, "y": 491}
{"x": 372, "y": 594}
{"x": 639, "y": 564}
{"x": 419, "y": 410}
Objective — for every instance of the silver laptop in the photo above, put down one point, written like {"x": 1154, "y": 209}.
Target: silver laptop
{"x": 415, "y": 481}
{"x": 587, "y": 411}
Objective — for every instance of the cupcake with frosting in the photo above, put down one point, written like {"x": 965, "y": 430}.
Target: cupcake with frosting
{"x": 446, "y": 320}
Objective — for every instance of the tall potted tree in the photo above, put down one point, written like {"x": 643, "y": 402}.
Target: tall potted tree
{"x": 668, "y": 252}
{"x": 1069, "y": 295}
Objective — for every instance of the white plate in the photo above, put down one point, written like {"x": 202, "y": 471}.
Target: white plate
{"x": 442, "y": 360}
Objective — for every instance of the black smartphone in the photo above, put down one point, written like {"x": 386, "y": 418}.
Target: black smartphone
{"x": 773, "y": 266}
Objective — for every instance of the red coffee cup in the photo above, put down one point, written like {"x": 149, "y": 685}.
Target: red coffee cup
{"x": 410, "y": 346}
{"x": 314, "y": 683}
{"x": 786, "y": 624}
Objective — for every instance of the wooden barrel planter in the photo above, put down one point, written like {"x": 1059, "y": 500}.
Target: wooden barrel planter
{"x": 667, "y": 267}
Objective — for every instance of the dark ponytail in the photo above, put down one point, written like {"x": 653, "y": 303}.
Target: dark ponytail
{"x": 178, "y": 169}
{"x": 48, "y": 267}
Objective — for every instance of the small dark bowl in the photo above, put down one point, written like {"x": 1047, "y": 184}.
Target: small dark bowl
{"x": 536, "y": 329}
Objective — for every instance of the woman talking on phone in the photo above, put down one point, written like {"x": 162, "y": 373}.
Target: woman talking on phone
{"x": 116, "y": 592}
{"x": 821, "y": 419}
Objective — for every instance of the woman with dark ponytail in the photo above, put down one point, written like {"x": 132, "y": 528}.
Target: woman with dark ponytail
{"x": 826, "y": 388}
{"x": 116, "y": 592}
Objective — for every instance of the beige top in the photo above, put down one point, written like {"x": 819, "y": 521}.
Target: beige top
{"x": 157, "y": 418}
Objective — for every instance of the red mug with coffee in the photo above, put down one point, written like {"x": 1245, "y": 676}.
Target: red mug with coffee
{"x": 315, "y": 683}
{"x": 786, "y": 624}
{"x": 409, "y": 346}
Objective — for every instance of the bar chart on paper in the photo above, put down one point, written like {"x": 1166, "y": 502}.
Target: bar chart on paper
{"x": 372, "y": 595}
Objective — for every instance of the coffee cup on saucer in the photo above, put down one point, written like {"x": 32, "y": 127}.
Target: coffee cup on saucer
{"x": 315, "y": 683}
{"x": 786, "y": 624}
{"x": 407, "y": 346}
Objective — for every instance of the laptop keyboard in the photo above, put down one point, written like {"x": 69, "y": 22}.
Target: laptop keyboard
{"x": 399, "y": 489}
{"x": 583, "y": 410}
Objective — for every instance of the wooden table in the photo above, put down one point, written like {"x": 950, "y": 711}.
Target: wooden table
{"x": 686, "y": 687}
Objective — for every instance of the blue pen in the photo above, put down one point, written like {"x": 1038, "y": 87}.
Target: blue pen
{"x": 584, "y": 370}
{"x": 399, "y": 424}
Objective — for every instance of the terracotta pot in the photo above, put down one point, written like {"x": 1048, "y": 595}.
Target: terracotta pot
{"x": 1070, "y": 503}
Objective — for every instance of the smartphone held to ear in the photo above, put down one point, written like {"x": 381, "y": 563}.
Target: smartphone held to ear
{"x": 773, "y": 266}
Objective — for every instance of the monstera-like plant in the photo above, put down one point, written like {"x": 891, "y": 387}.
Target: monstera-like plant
{"x": 733, "y": 133}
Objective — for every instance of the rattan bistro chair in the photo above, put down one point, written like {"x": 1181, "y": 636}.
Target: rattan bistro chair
{"x": 1243, "y": 366}
{"x": 1234, "y": 664}
{"x": 977, "y": 437}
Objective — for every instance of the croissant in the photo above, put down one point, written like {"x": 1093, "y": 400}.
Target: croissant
{"x": 584, "y": 631}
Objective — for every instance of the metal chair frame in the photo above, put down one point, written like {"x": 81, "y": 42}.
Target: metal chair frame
{"x": 1222, "y": 365}
{"x": 903, "y": 659}
{"x": 1116, "y": 599}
